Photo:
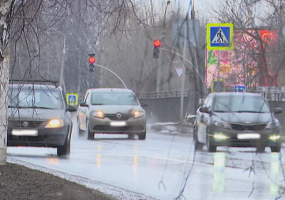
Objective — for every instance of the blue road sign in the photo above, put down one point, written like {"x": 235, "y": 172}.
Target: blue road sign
{"x": 220, "y": 36}
{"x": 218, "y": 86}
{"x": 240, "y": 88}
{"x": 72, "y": 98}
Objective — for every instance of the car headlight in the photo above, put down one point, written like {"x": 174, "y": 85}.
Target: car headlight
{"x": 137, "y": 114}
{"x": 99, "y": 114}
{"x": 272, "y": 125}
{"x": 274, "y": 137}
{"x": 220, "y": 136}
{"x": 55, "y": 123}
{"x": 222, "y": 124}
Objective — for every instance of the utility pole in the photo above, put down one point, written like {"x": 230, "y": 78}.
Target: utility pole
{"x": 183, "y": 75}
{"x": 159, "y": 70}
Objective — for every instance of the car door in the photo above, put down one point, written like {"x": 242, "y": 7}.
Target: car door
{"x": 82, "y": 112}
{"x": 204, "y": 119}
{"x": 199, "y": 120}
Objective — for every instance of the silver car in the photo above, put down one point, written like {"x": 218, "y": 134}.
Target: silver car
{"x": 111, "y": 111}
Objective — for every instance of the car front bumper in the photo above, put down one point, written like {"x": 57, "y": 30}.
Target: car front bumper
{"x": 231, "y": 137}
{"x": 132, "y": 125}
{"x": 53, "y": 137}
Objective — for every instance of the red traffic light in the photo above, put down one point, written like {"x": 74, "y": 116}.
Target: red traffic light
{"x": 157, "y": 43}
{"x": 92, "y": 60}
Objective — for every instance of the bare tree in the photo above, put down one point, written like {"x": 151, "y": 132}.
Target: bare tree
{"x": 259, "y": 46}
{"x": 33, "y": 35}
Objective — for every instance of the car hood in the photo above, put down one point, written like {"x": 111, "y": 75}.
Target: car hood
{"x": 245, "y": 117}
{"x": 111, "y": 109}
{"x": 31, "y": 113}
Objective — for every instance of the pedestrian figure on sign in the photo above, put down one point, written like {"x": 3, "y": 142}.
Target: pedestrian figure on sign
{"x": 220, "y": 36}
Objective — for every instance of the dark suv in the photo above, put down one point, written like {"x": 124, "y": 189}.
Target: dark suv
{"x": 38, "y": 116}
{"x": 237, "y": 120}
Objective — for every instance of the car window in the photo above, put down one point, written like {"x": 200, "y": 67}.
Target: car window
{"x": 241, "y": 104}
{"x": 206, "y": 101}
{"x": 29, "y": 97}
{"x": 113, "y": 98}
{"x": 86, "y": 97}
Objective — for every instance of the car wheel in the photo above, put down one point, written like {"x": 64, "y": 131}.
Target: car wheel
{"x": 90, "y": 135}
{"x": 260, "y": 148}
{"x": 64, "y": 149}
{"x": 79, "y": 131}
{"x": 275, "y": 149}
{"x": 198, "y": 145}
{"x": 131, "y": 136}
{"x": 142, "y": 136}
{"x": 211, "y": 147}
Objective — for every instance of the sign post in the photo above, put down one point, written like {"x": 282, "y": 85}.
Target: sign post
{"x": 219, "y": 37}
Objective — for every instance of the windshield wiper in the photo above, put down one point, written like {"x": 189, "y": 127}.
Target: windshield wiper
{"x": 98, "y": 104}
{"x": 220, "y": 111}
{"x": 40, "y": 107}
{"x": 248, "y": 111}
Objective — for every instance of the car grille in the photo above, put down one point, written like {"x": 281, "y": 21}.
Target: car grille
{"x": 112, "y": 128}
{"x": 24, "y": 124}
{"x": 240, "y": 127}
{"x": 115, "y": 118}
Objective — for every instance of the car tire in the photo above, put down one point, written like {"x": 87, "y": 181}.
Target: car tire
{"x": 142, "y": 136}
{"x": 90, "y": 135}
{"x": 211, "y": 147}
{"x": 275, "y": 149}
{"x": 79, "y": 131}
{"x": 198, "y": 145}
{"x": 65, "y": 148}
{"x": 260, "y": 149}
{"x": 131, "y": 136}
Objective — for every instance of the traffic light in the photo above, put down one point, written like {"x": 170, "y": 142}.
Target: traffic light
{"x": 156, "y": 45}
{"x": 91, "y": 62}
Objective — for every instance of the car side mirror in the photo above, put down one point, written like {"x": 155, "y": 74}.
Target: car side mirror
{"x": 83, "y": 104}
{"x": 204, "y": 109}
{"x": 71, "y": 108}
{"x": 143, "y": 104}
{"x": 277, "y": 110}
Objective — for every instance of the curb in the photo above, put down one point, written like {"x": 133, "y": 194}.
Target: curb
{"x": 172, "y": 127}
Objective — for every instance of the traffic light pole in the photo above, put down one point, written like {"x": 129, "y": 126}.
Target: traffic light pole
{"x": 112, "y": 73}
{"x": 159, "y": 70}
{"x": 183, "y": 77}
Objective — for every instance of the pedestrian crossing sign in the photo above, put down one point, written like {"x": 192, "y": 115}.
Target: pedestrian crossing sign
{"x": 72, "y": 98}
{"x": 220, "y": 36}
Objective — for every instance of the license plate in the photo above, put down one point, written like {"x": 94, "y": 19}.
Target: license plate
{"x": 248, "y": 136}
{"x": 26, "y": 132}
{"x": 118, "y": 123}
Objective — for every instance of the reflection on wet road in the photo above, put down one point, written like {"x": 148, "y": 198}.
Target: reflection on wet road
{"x": 162, "y": 167}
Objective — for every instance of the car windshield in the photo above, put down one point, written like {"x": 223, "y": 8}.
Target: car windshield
{"x": 30, "y": 97}
{"x": 113, "y": 98}
{"x": 241, "y": 104}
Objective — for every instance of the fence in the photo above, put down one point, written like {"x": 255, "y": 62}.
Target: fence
{"x": 165, "y": 106}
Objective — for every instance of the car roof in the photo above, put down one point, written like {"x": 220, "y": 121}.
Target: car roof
{"x": 109, "y": 90}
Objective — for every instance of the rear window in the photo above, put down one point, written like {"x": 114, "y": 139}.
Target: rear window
{"x": 30, "y": 97}
{"x": 233, "y": 103}
{"x": 113, "y": 98}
